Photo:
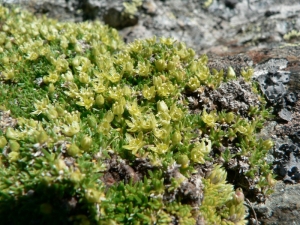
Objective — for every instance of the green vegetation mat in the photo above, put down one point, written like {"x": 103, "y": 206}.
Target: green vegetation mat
{"x": 96, "y": 131}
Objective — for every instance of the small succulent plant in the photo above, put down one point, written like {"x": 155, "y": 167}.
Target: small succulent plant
{"x": 107, "y": 129}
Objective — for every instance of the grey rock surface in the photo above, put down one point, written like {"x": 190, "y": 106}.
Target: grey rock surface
{"x": 282, "y": 207}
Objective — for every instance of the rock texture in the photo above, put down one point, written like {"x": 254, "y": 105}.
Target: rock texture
{"x": 264, "y": 34}
{"x": 221, "y": 27}
{"x": 282, "y": 207}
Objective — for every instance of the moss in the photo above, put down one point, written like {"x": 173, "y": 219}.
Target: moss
{"x": 206, "y": 4}
{"x": 89, "y": 109}
{"x": 291, "y": 35}
{"x": 132, "y": 7}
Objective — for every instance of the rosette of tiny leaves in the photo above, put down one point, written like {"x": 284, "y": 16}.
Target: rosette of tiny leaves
{"x": 200, "y": 151}
{"x": 218, "y": 193}
{"x": 209, "y": 119}
{"x": 236, "y": 210}
{"x": 134, "y": 144}
{"x": 247, "y": 74}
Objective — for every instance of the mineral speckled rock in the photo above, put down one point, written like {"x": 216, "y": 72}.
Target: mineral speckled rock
{"x": 287, "y": 163}
{"x": 272, "y": 66}
{"x": 237, "y": 62}
{"x": 150, "y": 7}
{"x": 116, "y": 17}
{"x": 293, "y": 126}
{"x": 291, "y": 97}
{"x": 282, "y": 207}
{"x": 271, "y": 79}
{"x": 231, "y": 25}
{"x": 285, "y": 114}
{"x": 234, "y": 96}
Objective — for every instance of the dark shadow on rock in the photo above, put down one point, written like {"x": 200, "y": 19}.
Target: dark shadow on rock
{"x": 116, "y": 18}
{"x": 45, "y": 204}
{"x": 90, "y": 12}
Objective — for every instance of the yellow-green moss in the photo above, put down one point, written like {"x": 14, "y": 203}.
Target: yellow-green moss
{"x": 78, "y": 92}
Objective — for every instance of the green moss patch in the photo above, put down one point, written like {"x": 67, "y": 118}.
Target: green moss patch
{"x": 104, "y": 133}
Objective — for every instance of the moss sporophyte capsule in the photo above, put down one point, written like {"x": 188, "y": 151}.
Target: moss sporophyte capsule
{"x": 73, "y": 150}
{"x": 238, "y": 196}
{"x": 86, "y": 143}
{"x": 184, "y": 161}
{"x": 176, "y": 137}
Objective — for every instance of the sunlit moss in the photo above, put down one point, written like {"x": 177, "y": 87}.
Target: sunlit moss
{"x": 82, "y": 97}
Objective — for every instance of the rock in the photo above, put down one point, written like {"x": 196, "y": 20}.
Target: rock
{"x": 140, "y": 31}
{"x": 234, "y": 26}
{"x": 282, "y": 207}
{"x": 116, "y": 16}
{"x": 271, "y": 79}
{"x": 291, "y": 97}
{"x": 150, "y": 7}
{"x": 285, "y": 114}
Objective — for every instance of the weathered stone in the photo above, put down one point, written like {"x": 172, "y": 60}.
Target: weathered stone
{"x": 282, "y": 207}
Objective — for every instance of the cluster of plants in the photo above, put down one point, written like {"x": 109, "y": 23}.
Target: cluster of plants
{"x": 293, "y": 34}
{"x": 131, "y": 7}
{"x": 80, "y": 96}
